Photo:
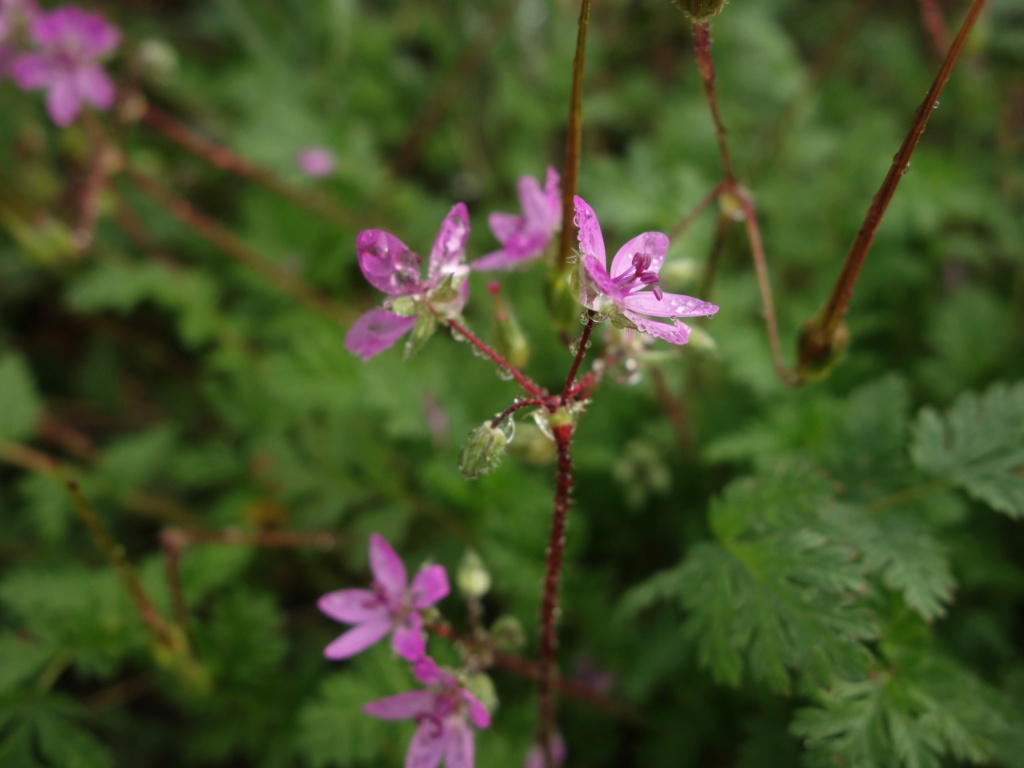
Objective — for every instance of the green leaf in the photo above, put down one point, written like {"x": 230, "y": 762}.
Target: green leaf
{"x": 21, "y": 405}
{"x": 774, "y": 593}
{"x": 332, "y": 729}
{"x": 922, "y": 709}
{"x": 903, "y": 551}
{"x": 979, "y": 446}
{"x": 41, "y": 731}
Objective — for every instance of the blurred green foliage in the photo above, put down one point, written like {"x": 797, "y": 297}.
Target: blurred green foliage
{"x": 829, "y": 575}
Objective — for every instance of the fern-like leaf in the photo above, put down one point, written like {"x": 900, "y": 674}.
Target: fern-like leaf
{"x": 979, "y": 445}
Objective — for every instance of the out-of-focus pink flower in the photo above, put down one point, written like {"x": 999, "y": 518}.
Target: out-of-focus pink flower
{"x": 16, "y": 17}
{"x": 535, "y": 757}
{"x": 316, "y": 162}
{"x": 71, "y": 41}
{"x": 622, "y": 292}
{"x": 444, "y": 713}
{"x": 389, "y": 604}
{"x": 527, "y": 235}
{"x": 389, "y": 266}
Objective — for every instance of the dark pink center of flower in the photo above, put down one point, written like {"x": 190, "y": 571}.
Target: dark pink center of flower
{"x": 639, "y": 275}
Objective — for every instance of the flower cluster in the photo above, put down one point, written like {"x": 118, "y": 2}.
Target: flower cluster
{"x": 444, "y": 710}
{"x": 628, "y": 293}
{"x": 58, "y": 51}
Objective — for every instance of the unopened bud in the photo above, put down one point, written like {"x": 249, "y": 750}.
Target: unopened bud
{"x": 485, "y": 448}
{"x": 472, "y": 577}
{"x": 508, "y": 634}
{"x": 700, "y": 10}
{"x": 481, "y": 686}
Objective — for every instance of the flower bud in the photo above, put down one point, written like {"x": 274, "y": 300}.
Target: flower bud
{"x": 472, "y": 577}
{"x": 701, "y": 10}
{"x": 485, "y": 448}
{"x": 508, "y": 634}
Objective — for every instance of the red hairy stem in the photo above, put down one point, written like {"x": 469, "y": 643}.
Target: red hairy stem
{"x": 573, "y": 140}
{"x": 820, "y": 333}
{"x": 532, "y": 402}
{"x": 706, "y": 66}
{"x": 580, "y": 352}
{"x": 524, "y": 381}
{"x": 547, "y": 669}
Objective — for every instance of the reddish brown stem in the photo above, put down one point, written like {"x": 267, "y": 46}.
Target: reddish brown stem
{"x": 531, "y": 403}
{"x": 525, "y": 382}
{"x": 931, "y": 15}
{"x": 822, "y": 330}
{"x": 580, "y": 352}
{"x": 547, "y": 668}
{"x": 573, "y": 142}
{"x": 706, "y": 66}
{"x": 226, "y": 159}
{"x": 237, "y": 249}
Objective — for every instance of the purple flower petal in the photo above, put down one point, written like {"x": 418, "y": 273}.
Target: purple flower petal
{"x": 62, "y": 102}
{"x": 535, "y": 757}
{"x": 375, "y": 331}
{"x": 677, "y": 333}
{"x": 450, "y": 246}
{"x": 387, "y": 263}
{"x": 402, "y": 706}
{"x": 504, "y": 225}
{"x": 590, "y": 238}
{"x": 427, "y": 672}
{"x": 428, "y": 745}
{"x": 654, "y": 244}
{"x": 316, "y": 162}
{"x": 478, "y": 714}
{"x": 388, "y": 568}
{"x": 33, "y": 71}
{"x": 408, "y": 640}
{"x": 670, "y": 305}
{"x": 95, "y": 87}
{"x": 352, "y": 606}
{"x": 532, "y": 201}
{"x": 602, "y": 280}
{"x": 357, "y": 639}
{"x": 429, "y": 586}
{"x": 460, "y": 745}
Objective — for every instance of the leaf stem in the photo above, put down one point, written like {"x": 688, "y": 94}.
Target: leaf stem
{"x": 226, "y": 159}
{"x": 573, "y": 141}
{"x": 237, "y": 249}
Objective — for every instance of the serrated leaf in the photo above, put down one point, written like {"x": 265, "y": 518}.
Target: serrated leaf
{"x": 979, "y": 445}
{"x": 332, "y": 729}
{"x": 903, "y": 551}
{"x": 41, "y": 731}
{"x": 921, "y": 710}
{"x": 774, "y": 594}
{"x": 21, "y": 405}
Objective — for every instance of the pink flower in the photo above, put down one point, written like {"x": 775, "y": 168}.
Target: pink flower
{"x": 526, "y": 236}
{"x": 315, "y": 162}
{"x": 623, "y": 292}
{"x": 535, "y": 757}
{"x": 443, "y": 713}
{"x": 16, "y": 16}
{"x": 389, "y": 604}
{"x": 71, "y": 41}
{"x": 389, "y": 266}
